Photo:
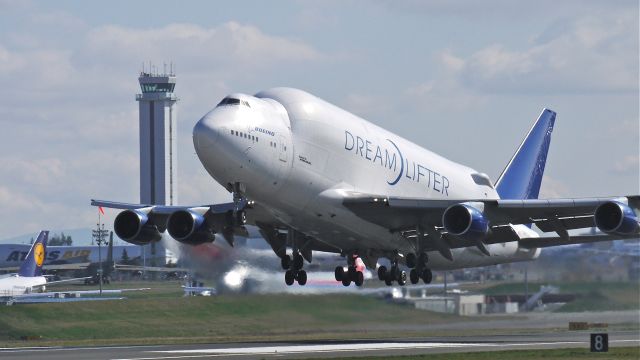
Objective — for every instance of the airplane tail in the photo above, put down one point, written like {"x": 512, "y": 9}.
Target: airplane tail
{"x": 32, "y": 264}
{"x": 522, "y": 176}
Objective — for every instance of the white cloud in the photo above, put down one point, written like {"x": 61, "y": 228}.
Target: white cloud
{"x": 629, "y": 164}
{"x": 592, "y": 54}
{"x": 73, "y": 119}
{"x": 198, "y": 47}
{"x": 551, "y": 188}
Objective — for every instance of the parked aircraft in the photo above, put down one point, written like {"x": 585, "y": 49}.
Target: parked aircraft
{"x": 312, "y": 176}
{"x": 29, "y": 278}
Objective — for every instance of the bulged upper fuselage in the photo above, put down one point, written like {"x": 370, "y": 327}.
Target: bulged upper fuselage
{"x": 297, "y": 153}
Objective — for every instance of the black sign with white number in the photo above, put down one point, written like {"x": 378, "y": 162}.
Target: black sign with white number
{"x": 599, "y": 342}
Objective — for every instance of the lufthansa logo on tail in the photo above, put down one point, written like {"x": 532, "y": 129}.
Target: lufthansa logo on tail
{"x": 38, "y": 254}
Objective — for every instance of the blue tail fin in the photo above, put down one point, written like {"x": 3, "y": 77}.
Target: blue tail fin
{"x": 522, "y": 177}
{"x": 32, "y": 264}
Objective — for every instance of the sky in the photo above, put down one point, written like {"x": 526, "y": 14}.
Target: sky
{"x": 463, "y": 79}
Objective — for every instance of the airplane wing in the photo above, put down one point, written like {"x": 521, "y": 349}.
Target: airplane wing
{"x": 56, "y": 282}
{"x": 150, "y": 268}
{"x": 405, "y": 215}
{"x": 68, "y": 296}
{"x": 218, "y": 218}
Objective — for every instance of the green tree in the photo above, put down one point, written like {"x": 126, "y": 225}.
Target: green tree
{"x": 60, "y": 240}
{"x": 125, "y": 257}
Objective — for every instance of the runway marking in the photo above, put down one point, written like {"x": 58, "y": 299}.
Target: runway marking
{"x": 296, "y": 349}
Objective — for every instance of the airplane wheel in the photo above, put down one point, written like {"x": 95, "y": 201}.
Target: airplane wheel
{"x": 359, "y": 278}
{"x": 298, "y": 261}
{"x": 382, "y": 272}
{"x": 289, "y": 277}
{"x": 339, "y": 273}
{"x": 302, "y": 277}
{"x": 346, "y": 281}
{"x": 427, "y": 276}
{"x": 414, "y": 276}
{"x": 285, "y": 262}
{"x": 410, "y": 259}
{"x": 402, "y": 278}
{"x": 388, "y": 282}
{"x": 241, "y": 218}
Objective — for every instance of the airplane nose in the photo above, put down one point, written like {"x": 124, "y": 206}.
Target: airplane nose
{"x": 205, "y": 133}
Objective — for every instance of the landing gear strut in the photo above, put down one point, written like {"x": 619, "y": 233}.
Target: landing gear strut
{"x": 239, "y": 202}
{"x": 352, "y": 274}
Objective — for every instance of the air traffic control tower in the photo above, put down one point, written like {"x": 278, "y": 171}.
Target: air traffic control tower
{"x": 158, "y": 147}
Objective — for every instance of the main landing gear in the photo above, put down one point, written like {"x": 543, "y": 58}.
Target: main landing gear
{"x": 352, "y": 274}
{"x": 419, "y": 270}
{"x": 393, "y": 274}
{"x": 294, "y": 269}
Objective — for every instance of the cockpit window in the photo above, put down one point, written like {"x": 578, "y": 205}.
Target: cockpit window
{"x": 233, "y": 101}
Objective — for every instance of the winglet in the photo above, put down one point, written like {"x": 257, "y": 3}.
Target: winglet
{"x": 32, "y": 264}
{"x": 521, "y": 178}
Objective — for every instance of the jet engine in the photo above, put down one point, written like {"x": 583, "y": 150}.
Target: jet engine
{"x": 190, "y": 227}
{"x": 133, "y": 226}
{"x": 616, "y": 218}
{"x": 465, "y": 221}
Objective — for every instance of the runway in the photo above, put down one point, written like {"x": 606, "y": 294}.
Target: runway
{"x": 323, "y": 349}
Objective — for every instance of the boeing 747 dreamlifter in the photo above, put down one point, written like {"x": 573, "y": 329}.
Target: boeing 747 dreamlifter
{"x": 312, "y": 176}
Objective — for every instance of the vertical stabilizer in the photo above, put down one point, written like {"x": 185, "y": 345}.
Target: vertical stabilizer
{"x": 522, "y": 177}
{"x": 32, "y": 264}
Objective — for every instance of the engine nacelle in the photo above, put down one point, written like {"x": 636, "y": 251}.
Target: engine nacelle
{"x": 189, "y": 227}
{"x": 465, "y": 221}
{"x": 616, "y": 218}
{"x": 133, "y": 226}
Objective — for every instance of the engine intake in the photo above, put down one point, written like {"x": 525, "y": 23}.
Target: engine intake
{"x": 189, "y": 227}
{"x": 465, "y": 221}
{"x": 616, "y": 218}
{"x": 134, "y": 227}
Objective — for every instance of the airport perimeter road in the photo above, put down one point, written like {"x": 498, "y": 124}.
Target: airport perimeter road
{"x": 324, "y": 349}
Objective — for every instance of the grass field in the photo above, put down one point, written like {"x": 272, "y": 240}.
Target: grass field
{"x": 599, "y": 296}
{"x": 163, "y": 314}
{"x": 623, "y": 353}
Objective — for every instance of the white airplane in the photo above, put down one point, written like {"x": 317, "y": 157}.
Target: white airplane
{"x": 312, "y": 176}
{"x": 29, "y": 277}
{"x": 29, "y": 284}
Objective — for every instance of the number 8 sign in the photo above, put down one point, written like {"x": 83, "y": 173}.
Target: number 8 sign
{"x": 599, "y": 342}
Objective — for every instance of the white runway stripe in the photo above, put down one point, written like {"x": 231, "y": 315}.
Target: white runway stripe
{"x": 298, "y": 349}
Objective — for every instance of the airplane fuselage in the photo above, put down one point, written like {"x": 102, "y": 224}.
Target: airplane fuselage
{"x": 297, "y": 154}
{"x": 17, "y": 285}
